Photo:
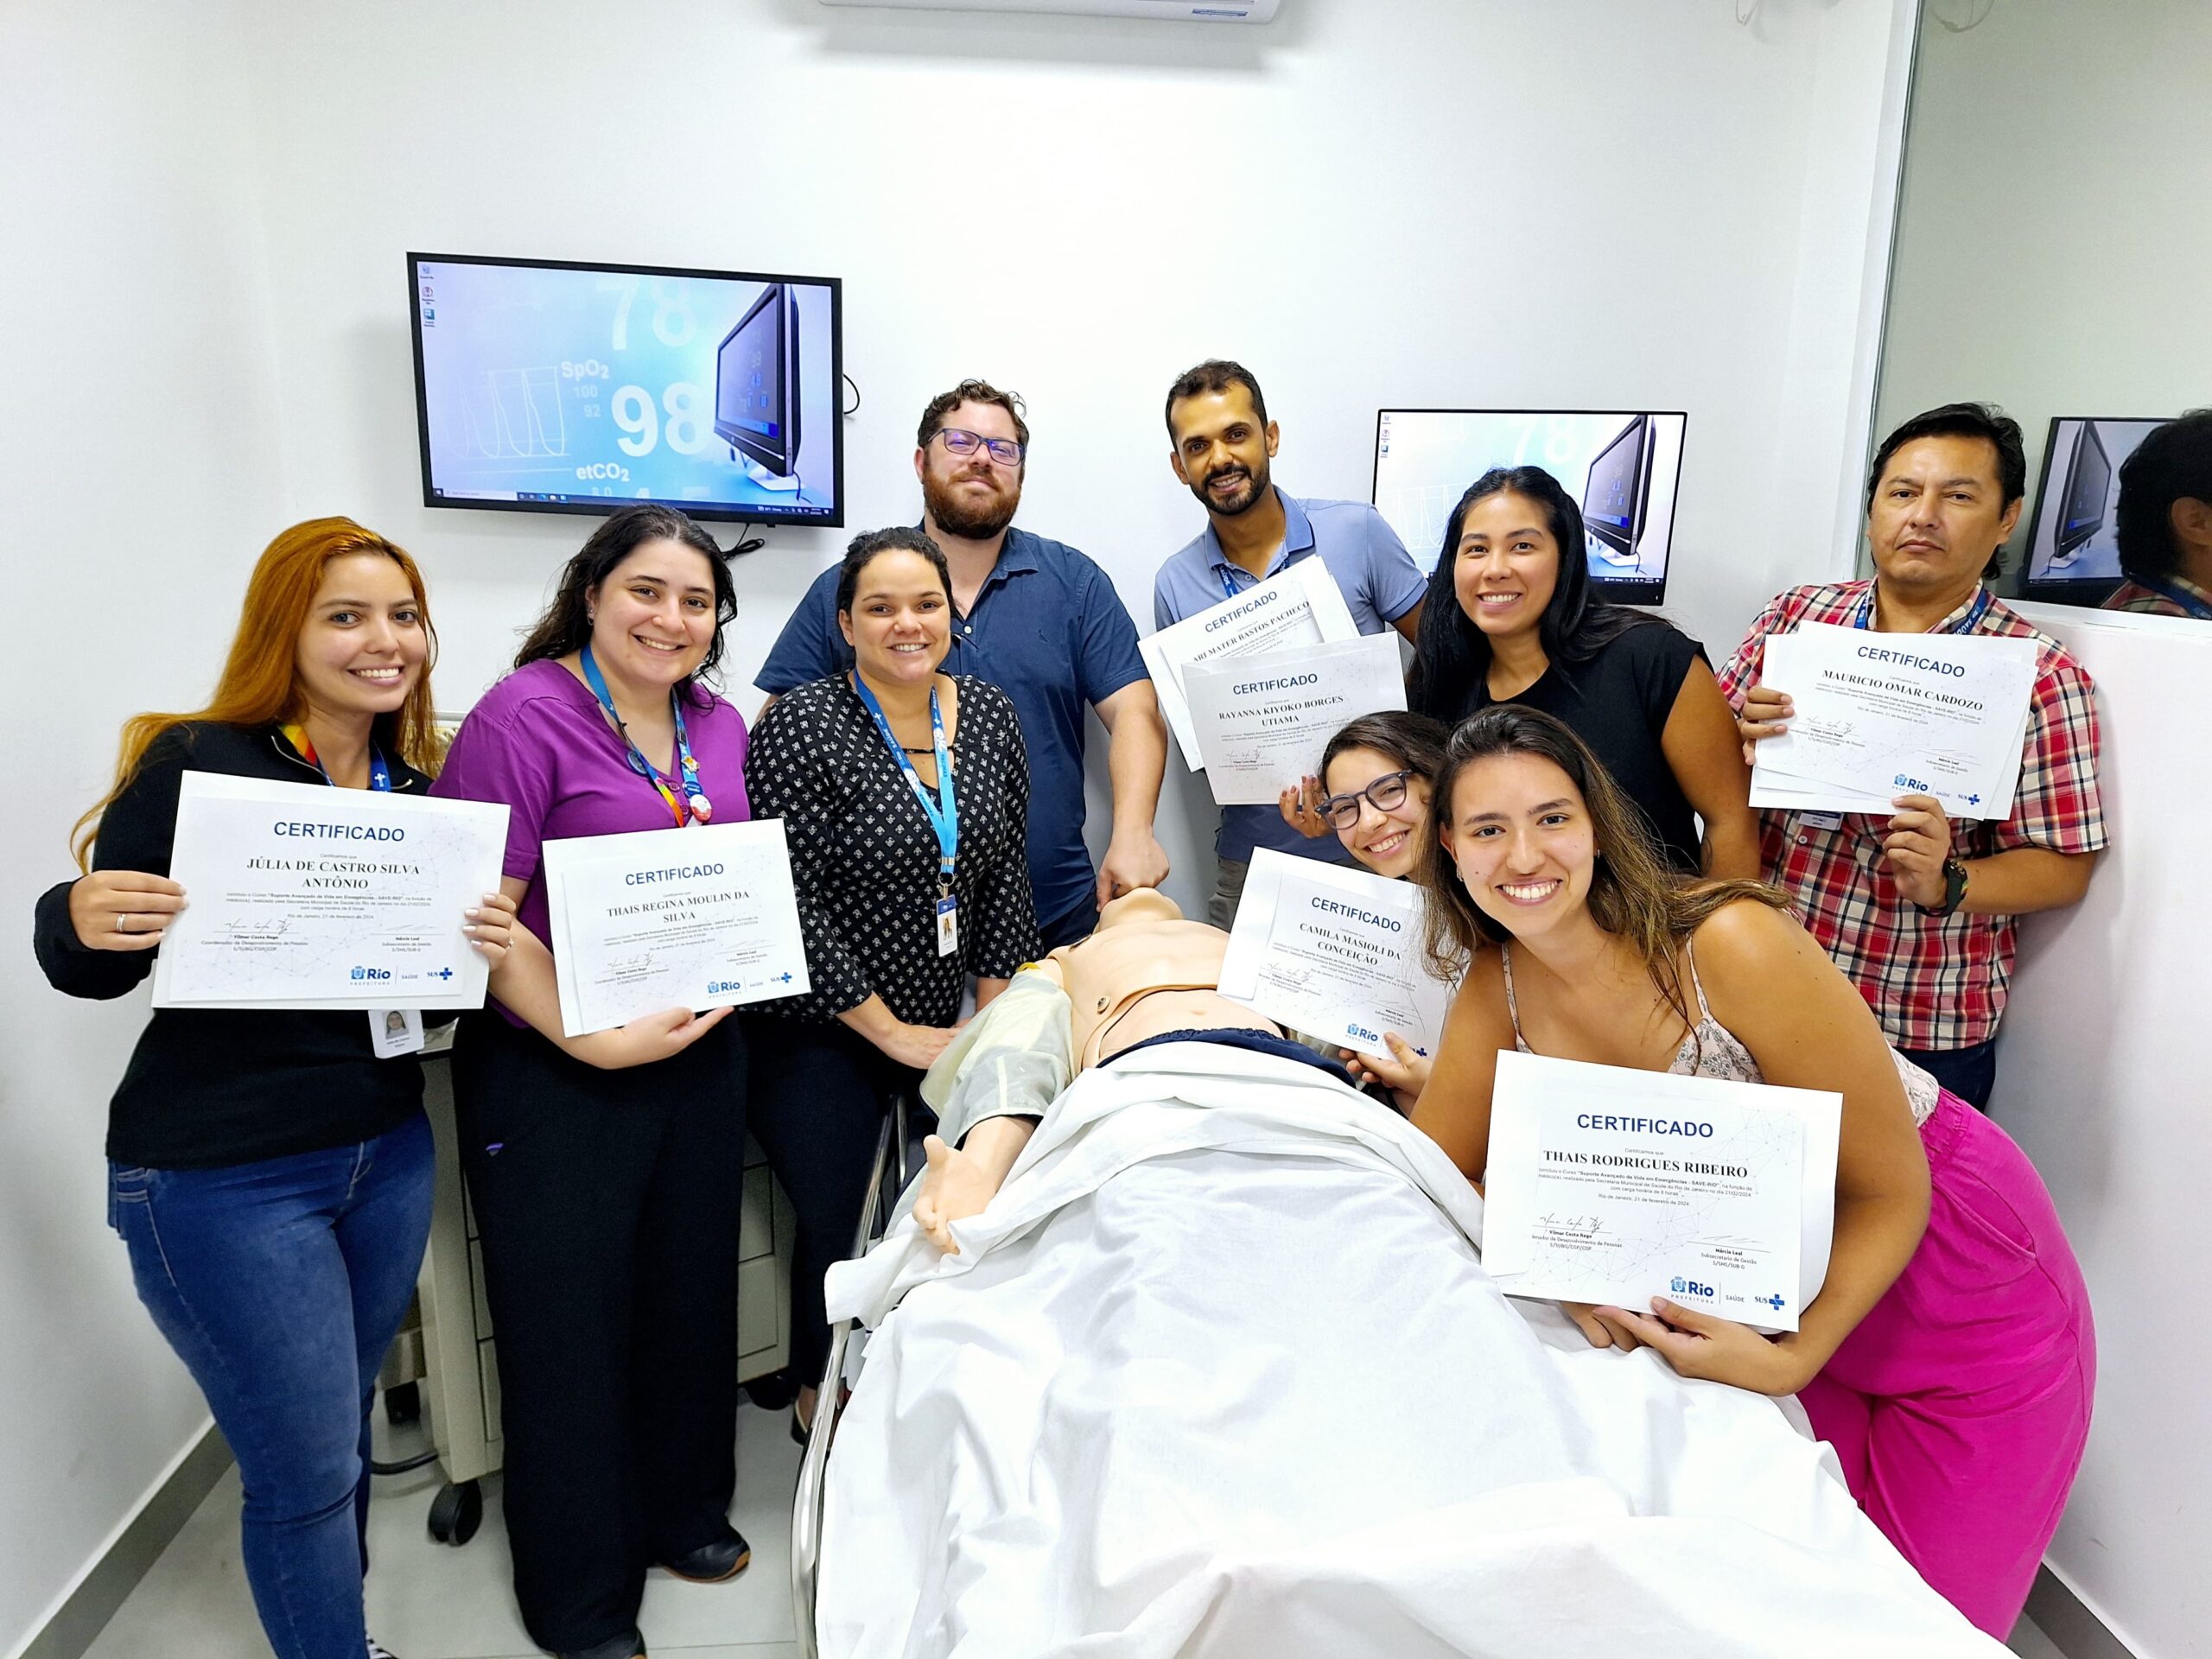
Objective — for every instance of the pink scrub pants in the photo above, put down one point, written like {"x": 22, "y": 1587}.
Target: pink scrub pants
{"x": 1960, "y": 1405}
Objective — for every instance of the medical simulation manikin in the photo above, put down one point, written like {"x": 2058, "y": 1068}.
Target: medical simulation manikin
{"x": 1146, "y": 974}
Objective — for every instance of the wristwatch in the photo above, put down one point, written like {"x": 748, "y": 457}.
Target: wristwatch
{"x": 1954, "y": 890}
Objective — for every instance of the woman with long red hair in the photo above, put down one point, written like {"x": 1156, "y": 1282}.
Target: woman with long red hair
{"x": 269, "y": 1174}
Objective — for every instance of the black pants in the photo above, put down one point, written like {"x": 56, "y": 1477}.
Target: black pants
{"x": 608, "y": 1203}
{"x": 1080, "y": 923}
{"x": 818, "y": 1095}
{"x": 1970, "y": 1073}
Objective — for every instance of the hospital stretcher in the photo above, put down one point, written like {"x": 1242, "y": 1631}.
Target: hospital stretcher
{"x": 1233, "y": 1438}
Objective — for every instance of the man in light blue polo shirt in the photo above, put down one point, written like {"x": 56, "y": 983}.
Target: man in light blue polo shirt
{"x": 1041, "y": 622}
{"x": 1223, "y": 441}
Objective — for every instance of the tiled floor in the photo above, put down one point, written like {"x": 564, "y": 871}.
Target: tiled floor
{"x": 430, "y": 1601}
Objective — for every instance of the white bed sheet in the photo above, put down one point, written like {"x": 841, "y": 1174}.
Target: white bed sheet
{"x": 1220, "y": 1374}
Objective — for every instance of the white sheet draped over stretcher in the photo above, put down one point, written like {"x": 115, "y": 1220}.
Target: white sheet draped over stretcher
{"x": 1220, "y": 1374}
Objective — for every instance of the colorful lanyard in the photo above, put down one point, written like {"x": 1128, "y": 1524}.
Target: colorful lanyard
{"x": 1967, "y": 624}
{"x": 2191, "y": 604}
{"x": 1229, "y": 587}
{"x": 296, "y": 735}
{"x": 943, "y": 818}
{"x": 702, "y": 808}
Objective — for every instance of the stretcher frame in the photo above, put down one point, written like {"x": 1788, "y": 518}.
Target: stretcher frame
{"x": 890, "y": 1159}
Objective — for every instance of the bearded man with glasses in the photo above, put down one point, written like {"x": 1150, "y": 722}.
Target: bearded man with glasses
{"x": 1040, "y": 621}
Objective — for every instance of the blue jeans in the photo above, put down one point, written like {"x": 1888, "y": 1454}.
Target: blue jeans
{"x": 280, "y": 1284}
{"x": 1970, "y": 1073}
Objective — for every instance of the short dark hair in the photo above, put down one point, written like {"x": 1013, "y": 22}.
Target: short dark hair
{"x": 565, "y": 627}
{"x": 1215, "y": 374}
{"x": 971, "y": 391}
{"x": 2172, "y": 463}
{"x": 871, "y": 544}
{"x": 1984, "y": 420}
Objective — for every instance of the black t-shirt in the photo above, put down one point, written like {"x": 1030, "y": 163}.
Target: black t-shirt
{"x": 1618, "y": 703}
{"x": 213, "y": 1086}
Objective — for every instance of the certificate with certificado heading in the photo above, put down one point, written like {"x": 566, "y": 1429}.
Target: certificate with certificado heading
{"x": 704, "y": 918}
{"x": 1609, "y": 1185}
{"x": 1262, "y": 721}
{"x": 302, "y": 896}
{"x": 1334, "y": 953}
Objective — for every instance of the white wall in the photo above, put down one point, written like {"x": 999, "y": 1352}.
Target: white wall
{"x": 1606, "y": 203}
{"x": 2101, "y": 1078}
{"x": 2053, "y": 241}
{"x": 138, "y": 426}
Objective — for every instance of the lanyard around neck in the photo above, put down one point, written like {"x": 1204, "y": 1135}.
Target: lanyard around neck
{"x": 691, "y": 796}
{"x": 296, "y": 735}
{"x": 2191, "y": 604}
{"x": 1967, "y": 624}
{"x": 944, "y": 813}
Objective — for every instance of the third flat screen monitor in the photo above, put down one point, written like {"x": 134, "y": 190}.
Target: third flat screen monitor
{"x": 2072, "y": 556}
{"x": 1621, "y": 466}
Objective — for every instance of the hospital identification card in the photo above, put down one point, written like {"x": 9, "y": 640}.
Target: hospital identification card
{"x": 1611, "y": 1186}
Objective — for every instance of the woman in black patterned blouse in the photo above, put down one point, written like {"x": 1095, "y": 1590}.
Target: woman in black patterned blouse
{"x": 909, "y": 884}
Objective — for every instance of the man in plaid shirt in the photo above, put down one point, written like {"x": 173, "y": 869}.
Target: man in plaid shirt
{"x": 1920, "y": 911}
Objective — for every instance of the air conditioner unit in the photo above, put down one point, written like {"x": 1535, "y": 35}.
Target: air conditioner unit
{"x": 1204, "y": 11}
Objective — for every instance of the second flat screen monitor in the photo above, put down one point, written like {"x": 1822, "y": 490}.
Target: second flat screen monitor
{"x": 1621, "y": 466}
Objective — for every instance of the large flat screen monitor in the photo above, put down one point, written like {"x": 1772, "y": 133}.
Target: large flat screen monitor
{"x": 545, "y": 387}
{"x": 2072, "y": 558}
{"x": 1621, "y": 466}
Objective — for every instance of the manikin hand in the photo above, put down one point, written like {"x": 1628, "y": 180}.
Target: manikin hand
{"x": 955, "y": 1185}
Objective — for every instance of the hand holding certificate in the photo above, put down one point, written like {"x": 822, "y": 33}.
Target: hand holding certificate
{"x": 1614, "y": 1185}
{"x": 1881, "y": 715}
{"x": 1302, "y": 606}
{"x": 702, "y": 918}
{"x": 307, "y": 897}
{"x": 1261, "y": 721}
{"x": 1335, "y": 953}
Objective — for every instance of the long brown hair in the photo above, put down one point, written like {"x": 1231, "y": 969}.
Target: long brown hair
{"x": 259, "y": 684}
{"x": 1634, "y": 894}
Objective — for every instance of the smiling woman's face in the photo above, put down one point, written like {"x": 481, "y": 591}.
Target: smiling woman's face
{"x": 1390, "y": 843}
{"x": 363, "y": 646}
{"x": 1520, "y": 838}
{"x": 1506, "y": 564}
{"x": 653, "y": 617}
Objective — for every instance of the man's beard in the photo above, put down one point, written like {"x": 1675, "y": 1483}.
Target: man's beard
{"x": 1256, "y": 491}
{"x": 958, "y": 515}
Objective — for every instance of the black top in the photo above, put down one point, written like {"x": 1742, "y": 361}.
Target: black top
{"x": 212, "y": 1086}
{"x": 864, "y": 858}
{"x": 1618, "y": 703}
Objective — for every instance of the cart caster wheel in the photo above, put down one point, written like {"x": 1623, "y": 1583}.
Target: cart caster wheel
{"x": 773, "y": 1392}
{"x": 402, "y": 1404}
{"x": 457, "y": 1512}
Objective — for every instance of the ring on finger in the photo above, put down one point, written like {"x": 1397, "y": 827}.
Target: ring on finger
{"x": 122, "y": 923}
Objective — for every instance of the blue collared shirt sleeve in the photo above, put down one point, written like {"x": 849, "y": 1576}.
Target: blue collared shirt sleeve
{"x": 1110, "y": 660}
{"x": 1396, "y": 583}
{"x": 1163, "y": 614}
{"x": 810, "y": 647}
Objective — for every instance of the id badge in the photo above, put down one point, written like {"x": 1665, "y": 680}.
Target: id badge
{"x": 395, "y": 1031}
{"x": 1822, "y": 820}
{"x": 948, "y": 925}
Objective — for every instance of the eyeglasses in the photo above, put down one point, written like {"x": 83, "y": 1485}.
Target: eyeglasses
{"x": 1386, "y": 793}
{"x": 1005, "y": 451}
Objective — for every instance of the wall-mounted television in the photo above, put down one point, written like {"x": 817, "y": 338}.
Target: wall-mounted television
{"x": 2072, "y": 556}
{"x": 1622, "y": 466}
{"x": 545, "y": 387}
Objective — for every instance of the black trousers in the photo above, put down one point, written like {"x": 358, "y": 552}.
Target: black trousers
{"x": 607, "y": 1203}
{"x": 1970, "y": 1073}
{"x": 818, "y": 1095}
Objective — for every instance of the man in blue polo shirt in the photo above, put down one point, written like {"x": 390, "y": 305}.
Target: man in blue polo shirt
{"x": 1223, "y": 441}
{"x": 1041, "y": 622}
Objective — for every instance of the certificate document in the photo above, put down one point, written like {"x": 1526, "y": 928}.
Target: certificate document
{"x": 1883, "y": 714}
{"x": 299, "y": 895}
{"x": 1300, "y": 606}
{"x": 1613, "y": 1186}
{"x": 704, "y": 918}
{"x": 1261, "y": 721}
{"x": 1334, "y": 953}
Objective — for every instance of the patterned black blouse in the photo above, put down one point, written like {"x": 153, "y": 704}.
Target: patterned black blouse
{"x": 864, "y": 859}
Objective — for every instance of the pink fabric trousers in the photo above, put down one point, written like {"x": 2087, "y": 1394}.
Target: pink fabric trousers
{"x": 1960, "y": 1405}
